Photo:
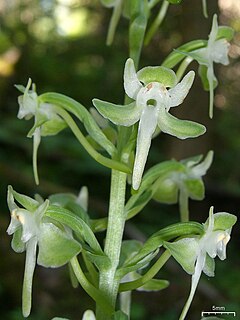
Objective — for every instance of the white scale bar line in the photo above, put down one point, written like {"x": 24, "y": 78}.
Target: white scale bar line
{"x": 218, "y": 312}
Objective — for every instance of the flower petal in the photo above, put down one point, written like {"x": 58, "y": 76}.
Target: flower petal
{"x": 219, "y": 52}
{"x": 160, "y": 74}
{"x": 213, "y": 32}
{"x": 28, "y": 277}
{"x": 185, "y": 252}
{"x": 147, "y": 126}
{"x": 56, "y": 247}
{"x": 179, "y": 92}
{"x": 121, "y": 115}
{"x": 131, "y": 83}
{"x": 181, "y": 129}
{"x": 201, "y": 169}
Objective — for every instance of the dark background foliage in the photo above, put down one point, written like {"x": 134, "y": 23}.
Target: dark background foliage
{"x": 60, "y": 44}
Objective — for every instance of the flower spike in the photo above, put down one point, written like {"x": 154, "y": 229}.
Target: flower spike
{"x": 148, "y": 87}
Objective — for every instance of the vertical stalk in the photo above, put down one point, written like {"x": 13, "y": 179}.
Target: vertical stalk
{"x": 183, "y": 205}
{"x": 108, "y": 284}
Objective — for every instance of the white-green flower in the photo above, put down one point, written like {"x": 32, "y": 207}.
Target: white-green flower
{"x": 196, "y": 255}
{"x": 46, "y": 121}
{"x": 216, "y": 51}
{"x": 30, "y": 230}
{"x": 180, "y": 185}
{"x": 153, "y": 100}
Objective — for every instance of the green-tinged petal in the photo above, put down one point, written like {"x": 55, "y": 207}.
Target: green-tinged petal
{"x": 27, "y": 202}
{"x": 147, "y": 126}
{"x": 200, "y": 169}
{"x": 56, "y": 248}
{"x": 121, "y": 115}
{"x": 185, "y": 252}
{"x": 209, "y": 266}
{"x": 154, "y": 285}
{"x": 53, "y": 127}
{"x": 17, "y": 244}
{"x": 180, "y": 91}
{"x": 131, "y": 83}
{"x": 28, "y": 276}
{"x": 222, "y": 221}
{"x": 181, "y": 129}
{"x": 88, "y": 315}
{"x": 225, "y": 32}
{"x": 57, "y": 318}
{"x": 160, "y": 74}
{"x": 195, "y": 188}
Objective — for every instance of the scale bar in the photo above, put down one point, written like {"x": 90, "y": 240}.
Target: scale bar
{"x": 208, "y": 313}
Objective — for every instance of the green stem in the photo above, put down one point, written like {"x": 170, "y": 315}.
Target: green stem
{"x": 183, "y": 205}
{"x": 89, "y": 288}
{"x": 108, "y": 283}
{"x": 114, "y": 21}
{"x": 88, "y": 147}
{"x": 157, "y": 22}
{"x": 129, "y": 286}
{"x": 183, "y": 66}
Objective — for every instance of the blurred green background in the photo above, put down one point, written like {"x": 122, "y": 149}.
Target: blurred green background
{"x": 60, "y": 44}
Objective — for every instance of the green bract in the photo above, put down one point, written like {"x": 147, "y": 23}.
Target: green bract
{"x": 30, "y": 228}
{"x": 151, "y": 107}
{"x": 46, "y": 121}
{"x": 196, "y": 254}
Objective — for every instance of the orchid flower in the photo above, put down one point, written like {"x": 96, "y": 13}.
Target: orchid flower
{"x": 196, "y": 255}
{"x": 215, "y": 51}
{"x": 184, "y": 184}
{"x": 47, "y": 122}
{"x": 148, "y": 87}
{"x": 30, "y": 229}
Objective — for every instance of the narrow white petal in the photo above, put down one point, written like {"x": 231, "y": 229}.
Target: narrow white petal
{"x": 180, "y": 91}
{"x": 131, "y": 83}
{"x": 214, "y": 32}
{"x": 195, "y": 279}
{"x": 147, "y": 126}
{"x": 28, "y": 277}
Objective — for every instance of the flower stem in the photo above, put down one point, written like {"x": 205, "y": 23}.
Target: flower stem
{"x": 108, "y": 283}
{"x": 183, "y": 205}
{"x": 148, "y": 275}
{"x": 89, "y": 288}
{"x": 107, "y": 162}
